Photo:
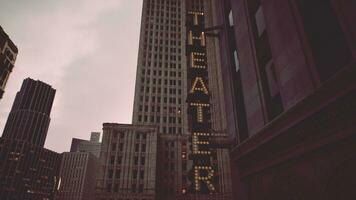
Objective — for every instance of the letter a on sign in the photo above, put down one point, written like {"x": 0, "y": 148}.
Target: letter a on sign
{"x": 199, "y": 85}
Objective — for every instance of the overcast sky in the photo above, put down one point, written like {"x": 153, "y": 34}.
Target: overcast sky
{"x": 86, "y": 49}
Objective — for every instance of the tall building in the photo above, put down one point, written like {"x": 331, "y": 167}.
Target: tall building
{"x": 162, "y": 87}
{"x": 8, "y": 54}
{"x": 27, "y": 170}
{"x": 78, "y": 176}
{"x": 128, "y": 162}
{"x": 29, "y": 117}
{"x": 160, "y": 90}
{"x": 92, "y": 146}
{"x": 289, "y": 85}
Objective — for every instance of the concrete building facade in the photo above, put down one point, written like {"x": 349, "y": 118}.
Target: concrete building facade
{"x": 289, "y": 69}
{"x": 128, "y": 162}
{"x": 8, "y": 54}
{"x": 78, "y": 176}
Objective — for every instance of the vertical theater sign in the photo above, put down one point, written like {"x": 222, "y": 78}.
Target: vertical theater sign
{"x": 203, "y": 174}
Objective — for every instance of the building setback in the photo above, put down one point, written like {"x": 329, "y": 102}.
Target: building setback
{"x": 78, "y": 176}
{"x": 29, "y": 117}
{"x": 290, "y": 88}
{"x": 8, "y": 54}
{"x": 128, "y": 162}
{"x": 28, "y": 171}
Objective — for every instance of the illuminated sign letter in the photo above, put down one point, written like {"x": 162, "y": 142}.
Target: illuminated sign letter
{"x": 194, "y": 56}
{"x": 204, "y": 174}
{"x": 197, "y": 142}
{"x": 195, "y": 15}
{"x": 201, "y": 38}
{"x": 200, "y": 106}
{"x": 201, "y": 87}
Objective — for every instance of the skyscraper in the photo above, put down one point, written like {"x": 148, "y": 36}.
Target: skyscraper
{"x": 27, "y": 170}
{"x": 8, "y": 53}
{"x": 161, "y": 92}
{"x": 30, "y": 114}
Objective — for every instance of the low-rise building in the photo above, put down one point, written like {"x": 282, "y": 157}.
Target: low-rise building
{"x": 128, "y": 162}
{"x": 78, "y": 176}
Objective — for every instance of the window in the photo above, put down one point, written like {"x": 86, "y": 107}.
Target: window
{"x": 113, "y": 146}
{"x": 236, "y": 76}
{"x": 117, "y": 174}
{"x": 231, "y": 20}
{"x": 142, "y": 174}
{"x": 108, "y": 187}
{"x": 134, "y": 174}
{"x": 110, "y": 174}
{"x": 260, "y": 21}
{"x": 273, "y": 101}
{"x": 119, "y": 159}
{"x": 326, "y": 39}
{"x": 140, "y": 188}
{"x": 237, "y": 63}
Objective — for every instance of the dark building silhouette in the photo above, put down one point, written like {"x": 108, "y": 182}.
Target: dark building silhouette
{"x": 8, "y": 53}
{"x": 30, "y": 114}
{"x": 74, "y": 147}
{"x": 290, "y": 89}
{"x": 27, "y": 170}
{"x": 78, "y": 175}
{"x": 91, "y": 146}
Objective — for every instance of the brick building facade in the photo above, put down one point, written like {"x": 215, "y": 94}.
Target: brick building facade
{"x": 289, "y": 69}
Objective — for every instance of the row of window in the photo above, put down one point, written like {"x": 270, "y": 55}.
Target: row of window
{"x": 115, "y": 188}
{"x": 172, "y": 27}
{"x": 135, "y": 160}
{"x": 138, "y": 135}
{"x": 157, "y": 119}
{"x": 159, "y": 65}
{"x": 172, "y": 100}
{"x": 158, "y": 90}
{"x": 171, "y": 110}
{"x": 170, "y": 57}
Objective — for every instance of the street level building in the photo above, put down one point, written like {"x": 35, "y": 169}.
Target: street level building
{"x": 8, "y": 54}
{"x": 128, "y": 162}
{"x": 290, "y": 89}
{"x": 78, "y": 176}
